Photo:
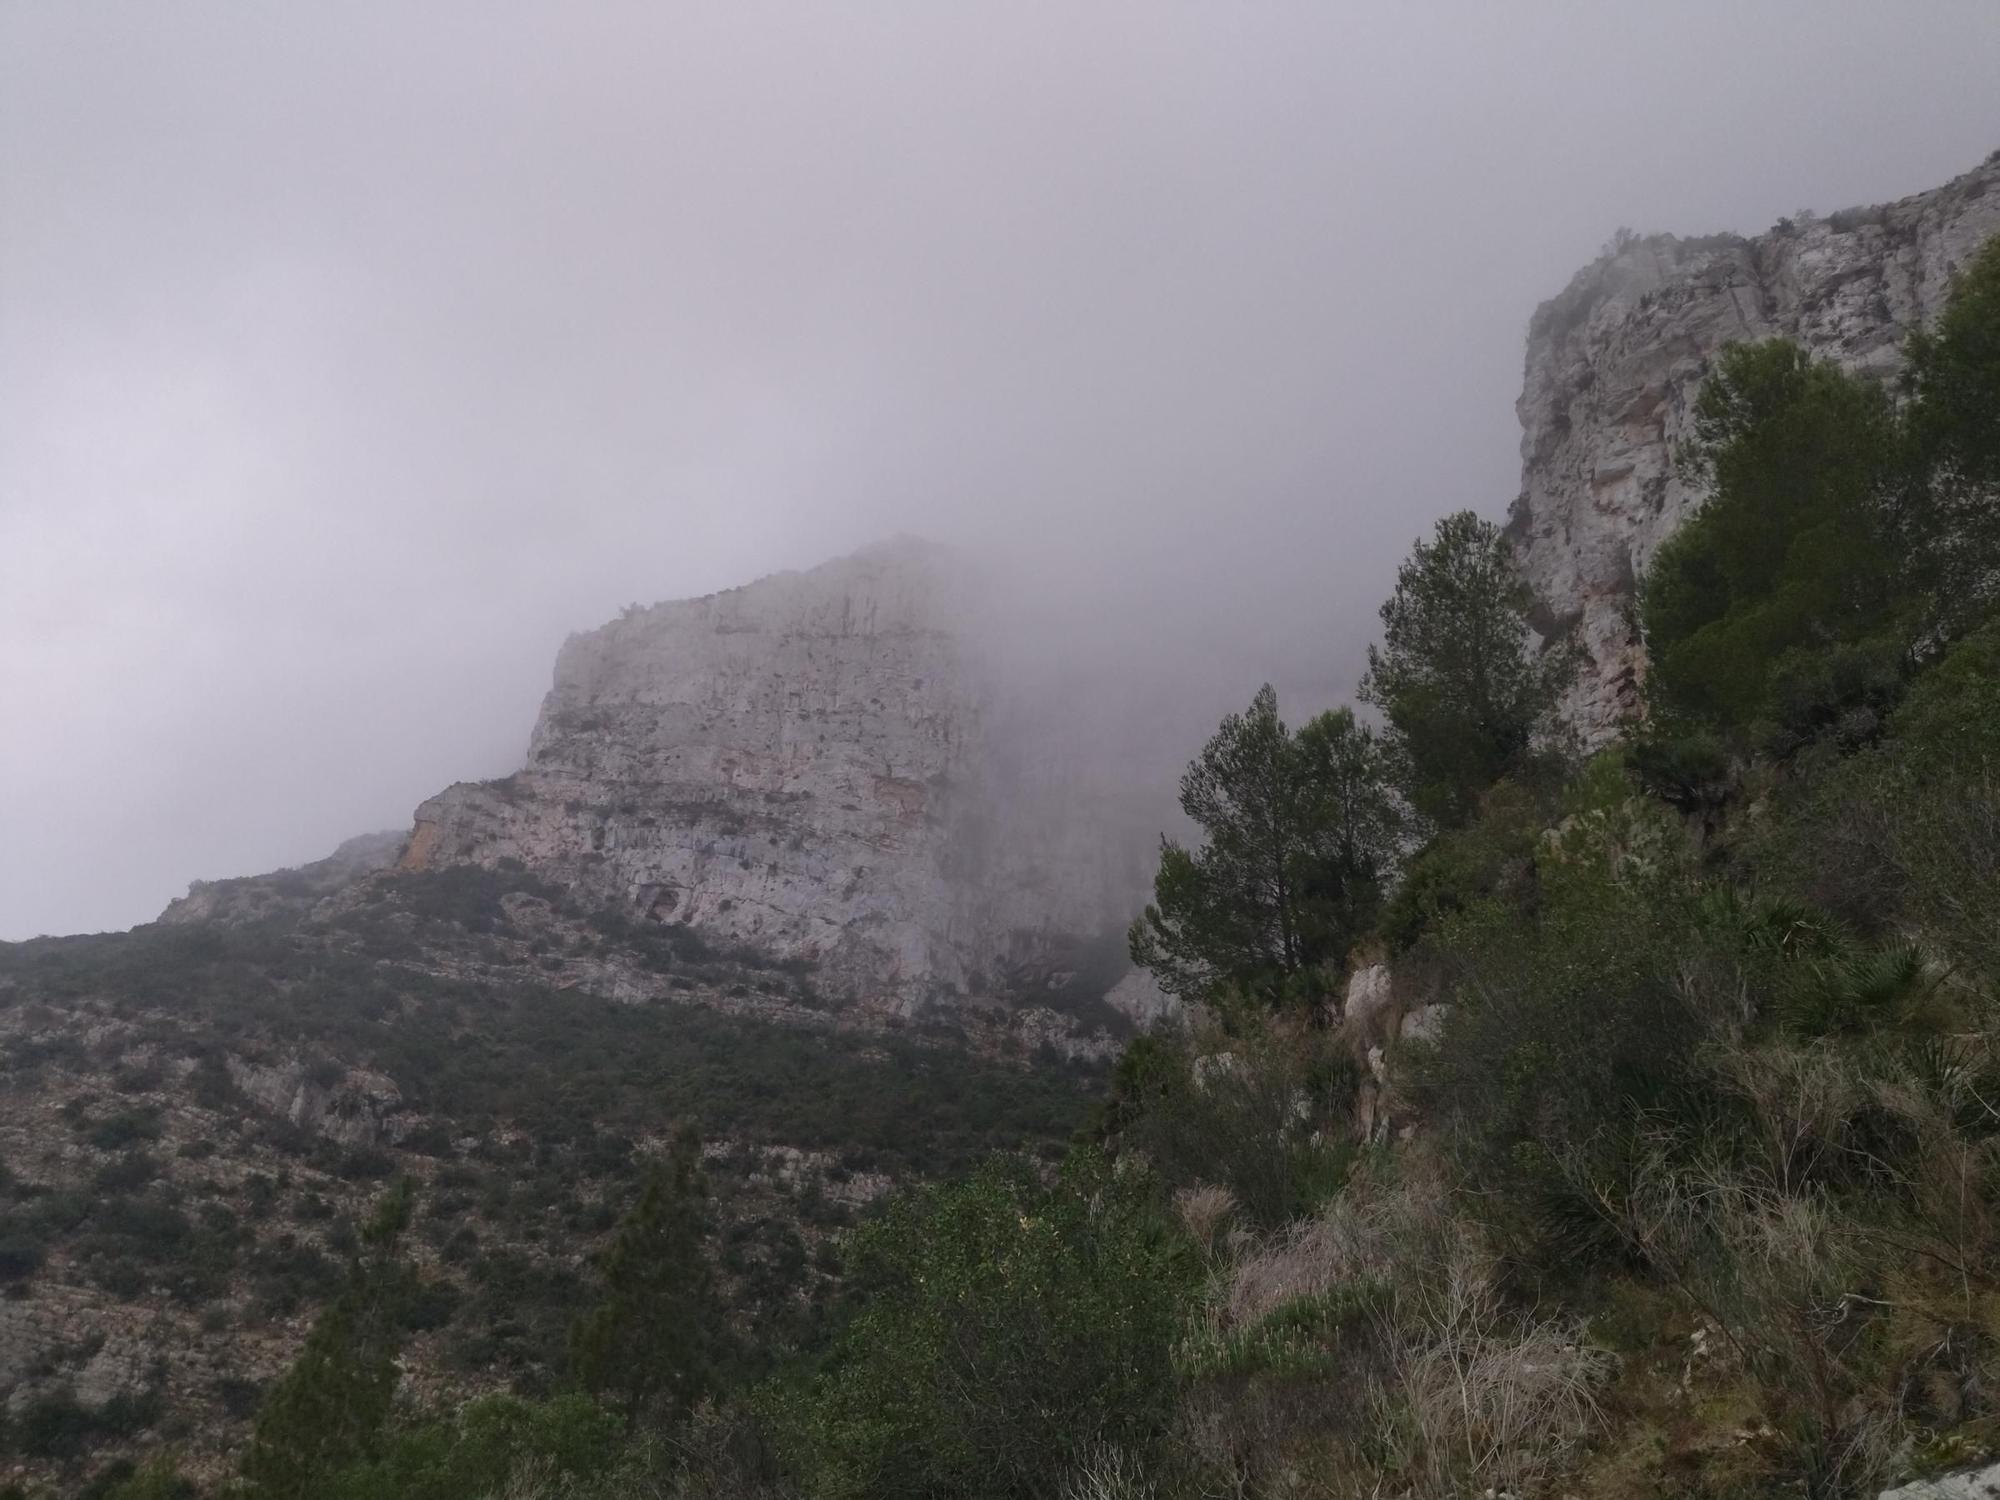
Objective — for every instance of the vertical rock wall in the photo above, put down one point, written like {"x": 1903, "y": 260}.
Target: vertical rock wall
{"x": 1615, "y": 362}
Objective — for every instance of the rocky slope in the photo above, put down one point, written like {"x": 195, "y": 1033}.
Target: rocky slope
{"x": 194, "y": 1116}
{"x": 828, "y": 767}
{"x": 1614, "y": 364}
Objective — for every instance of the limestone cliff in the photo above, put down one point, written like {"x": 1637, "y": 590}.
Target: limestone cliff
{"x": 1615, "y": 362}
{"x": 826, "y": 766}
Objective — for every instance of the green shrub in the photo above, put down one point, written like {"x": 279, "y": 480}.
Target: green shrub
{"x": 126, "y": 1128}
{"x": 1267, "y": 1115}
{"x": 158, "y": 1479}
{"x": 1493, "y": 857}
{"x": 1688, "y": 772}
{"x": 132, "y": 1170}
{"x": 484, "y": 1446}
{"x": 1009, "y": 1331}
{"x": 1573, "y": 1023}
{"x": 1791, "y": 551}
{"x": 1844, "y": 537}
{"x": 1907, "y": 835}
{"x": 57, "y": 1425}
{"x": 1839, "y": 694}
{"x": 20, "y": 1256}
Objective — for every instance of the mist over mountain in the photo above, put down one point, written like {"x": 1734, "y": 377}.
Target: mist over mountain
{"x": 353, "y": 362}
{"x": 999, "y": 753}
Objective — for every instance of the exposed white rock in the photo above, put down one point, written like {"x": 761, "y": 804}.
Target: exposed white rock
{"x": 1370, "y": 990}
{"x": 122, "y": 1367}
{"x": 354, "y": 1106}
{"x": 1614, "y": 365}
{"x": 1139, "y": 996}
{"x": 1971, "y": 1484}
{"x": 825, "y": 766}
{"x": 1213, "y": 1067}
{"x": 1425, "y": 1023}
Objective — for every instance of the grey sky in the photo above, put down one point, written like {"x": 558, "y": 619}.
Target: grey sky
{"x": 351, "y": 355}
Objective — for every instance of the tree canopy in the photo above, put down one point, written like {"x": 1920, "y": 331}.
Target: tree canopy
{"x": 328, "y": 1410}
{"x": 1012, "y": 1330}
{"x": 1794, "y": 550}
{"x": 1463, "y": 690}
{"x": 1298, "y": 832}
{"x": 651, "y": 1343}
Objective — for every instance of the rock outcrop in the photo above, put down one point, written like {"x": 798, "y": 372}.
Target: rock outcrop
{"x": 1982, "y": 1483}
{"x": 1615, "y": 362}
{"x": 254, "y": 898}
{"x": 353, "y": 1106}
{"x": 829, "y": 767}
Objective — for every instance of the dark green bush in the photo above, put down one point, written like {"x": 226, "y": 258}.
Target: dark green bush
{"x": 57, "y": 1425}
{"x": 1573, "y": 1026}
{"x": 125, "y": 1129}
{"x": 1268, "y": 1118}
{"x": 1689, "y": 772}
{"x": 1791, "y": 553}
{"x": 1840, "y": 694}
{"x": 160, "y": 1479}
{"x": 480, "y": 1448}
{"x": 132, "y": 1170}
{"x": 20, "y": 1256}
{"x": 1009, "y": 1331}
{"x": 1907, "y": 834}
{"x": 1492, "y": 857}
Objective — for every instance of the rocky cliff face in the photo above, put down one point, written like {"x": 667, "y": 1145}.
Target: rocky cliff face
{"x": 828, "y": 767}
{"x": 1615, "y": 362}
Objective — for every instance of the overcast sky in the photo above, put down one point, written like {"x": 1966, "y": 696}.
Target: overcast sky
{"x": 351, "y": 355}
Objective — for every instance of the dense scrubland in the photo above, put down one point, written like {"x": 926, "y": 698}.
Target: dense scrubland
{"x": 1686, "y": 1183}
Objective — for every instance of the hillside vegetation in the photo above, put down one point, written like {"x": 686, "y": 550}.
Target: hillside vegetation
{"x": 1545, "y": 1124}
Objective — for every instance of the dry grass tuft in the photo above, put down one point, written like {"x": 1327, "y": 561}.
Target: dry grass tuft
{"x": 1109, "y": 1474}
{"x": 1203, "y": 1211}
{"x": 1488, "y": 1402}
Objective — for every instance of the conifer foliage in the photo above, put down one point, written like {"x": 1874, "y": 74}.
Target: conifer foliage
{"x": 651, "y": 1344}
{"x": 1299, "y": 829}
{"x": 1465, "y": 693}
{"x": 327, "y": 1411}
{"x": 1845, "y": 540}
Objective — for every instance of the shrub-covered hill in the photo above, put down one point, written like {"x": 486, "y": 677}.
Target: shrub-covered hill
{"x": 194, "y": 1120}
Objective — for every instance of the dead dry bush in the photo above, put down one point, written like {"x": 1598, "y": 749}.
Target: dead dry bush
{"x": 1303, "y": 1260}
{"x": 1781, "y": 1275}
{"x": 1111, "y": 1474}
{"x": 1801, "y": 1102}
{"x": 1381, "y": 1223}
{"x": 1486, "y": 1400}
{"x": 1203, "y": 1211}
{"x": 1282, "y": 1358}
{"x": 1430, "y": 1384}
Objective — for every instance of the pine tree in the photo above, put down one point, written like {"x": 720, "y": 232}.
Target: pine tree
{"x": 328, "y": 1409}
{"x": 1464, "y": 694}
{"x": 651, "y": 1343}
{"x": 1298, "y": 833}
